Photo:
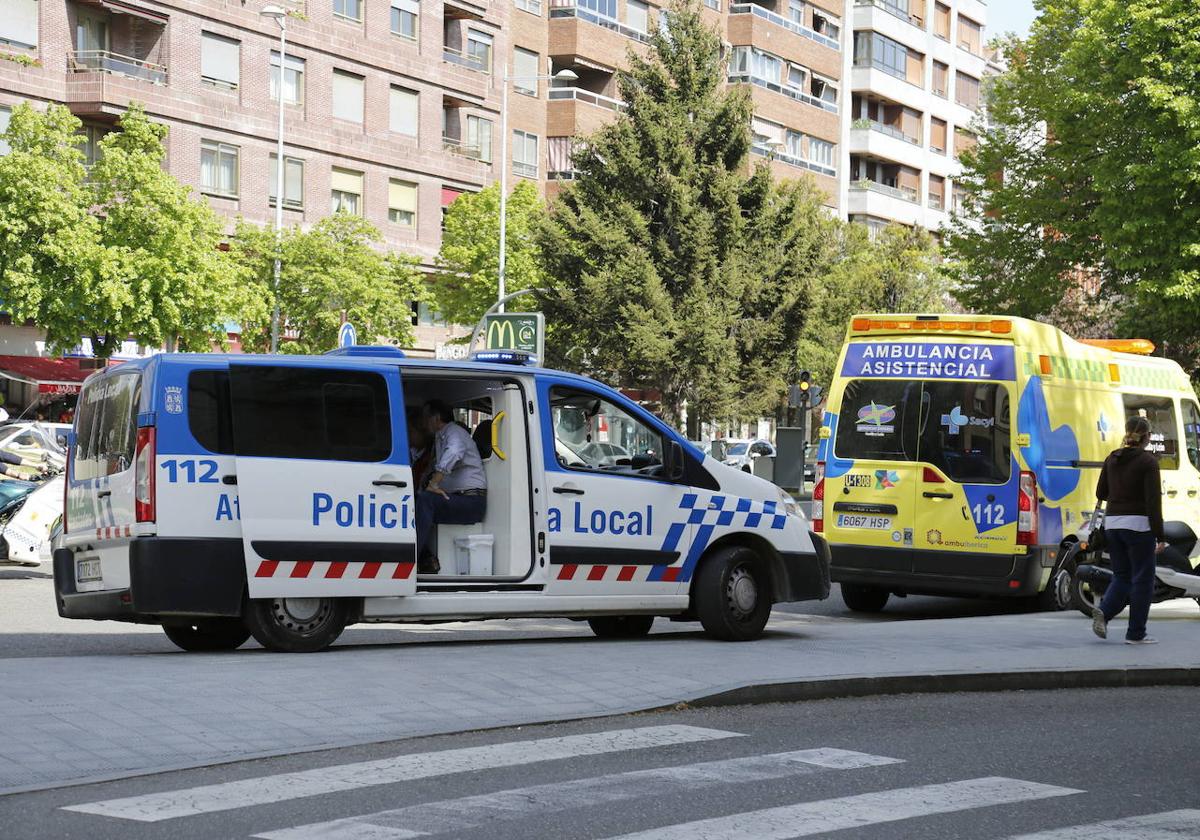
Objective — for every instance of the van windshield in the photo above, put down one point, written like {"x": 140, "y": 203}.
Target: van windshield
{"x": 964, "y": 429}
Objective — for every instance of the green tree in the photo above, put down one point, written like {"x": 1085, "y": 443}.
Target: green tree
{"x": 669, "y": 267}
{"x": 337, "y": 267}
{"x": 469, "y": 259}
{"x": 1089, "y": 172}
{"x": 122, "y": 251}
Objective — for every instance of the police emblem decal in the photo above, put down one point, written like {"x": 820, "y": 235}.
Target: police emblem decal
{"x": 173, "y": 399}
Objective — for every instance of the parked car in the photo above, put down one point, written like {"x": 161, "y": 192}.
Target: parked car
{"x": 741, "y": 454}
{"x": 810, "y": 461}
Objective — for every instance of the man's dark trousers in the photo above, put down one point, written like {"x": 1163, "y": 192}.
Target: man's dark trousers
{"x": 456, "y": 509}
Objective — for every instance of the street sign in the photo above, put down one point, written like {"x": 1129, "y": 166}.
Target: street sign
{"x": 525, "y": 331}
{"x": 347, "y": 335}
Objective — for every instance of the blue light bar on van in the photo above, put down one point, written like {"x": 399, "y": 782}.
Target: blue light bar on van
{"x": 367, "y": 350}
{"x": 503, "y": 357}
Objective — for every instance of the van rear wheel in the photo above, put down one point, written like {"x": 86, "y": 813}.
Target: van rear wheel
{"x": 865, "y": 599}
{"x": 621, "y": 626}
{"x": 208, "y": 634}
{"x": 732, "y": 595}
{"x": 296, "y": 625}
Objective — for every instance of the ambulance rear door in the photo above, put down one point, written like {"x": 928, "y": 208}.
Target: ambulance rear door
{"x": 871, "y": 477}
{"x": 323, "y": 477}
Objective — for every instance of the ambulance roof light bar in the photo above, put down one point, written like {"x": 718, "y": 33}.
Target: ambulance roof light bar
{"x": 931, "y": 324}
{"x": 1136, "y": 346}
{"x": 504, "y": 357}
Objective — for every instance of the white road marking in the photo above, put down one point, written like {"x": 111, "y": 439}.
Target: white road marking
{"x": 287, "y": 786}
{"x": 807, "y": 818}
{"x": 1169, "y": 825}
{"x": 471, "y": 812}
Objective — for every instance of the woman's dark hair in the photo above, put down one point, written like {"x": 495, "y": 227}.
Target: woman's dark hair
{"x": 437, "y": 408}
{"x": 1137, "y": 432}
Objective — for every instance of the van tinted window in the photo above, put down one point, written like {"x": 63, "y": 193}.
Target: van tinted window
{"x": 311, "y": 413}
{"x": 879, "y": 420}
{"x": 210, "y": 410}
{"x": 107, "y": 423}
{"x": 1164, "y": 426}
{"x": 966, "y": 431}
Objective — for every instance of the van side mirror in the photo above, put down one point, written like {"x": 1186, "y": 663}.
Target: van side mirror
{"x": 673, "y": 465}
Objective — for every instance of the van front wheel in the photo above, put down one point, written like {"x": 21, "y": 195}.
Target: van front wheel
{"x": 208, "y": 634}
{"x": 296, "y": 625}
{"x": 732, "y": 595}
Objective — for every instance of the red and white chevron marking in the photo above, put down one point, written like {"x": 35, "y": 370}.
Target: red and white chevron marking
{"x": 114, "y": 532}
{"x": 337, "y": 570}
{"x": 620, "y": 574}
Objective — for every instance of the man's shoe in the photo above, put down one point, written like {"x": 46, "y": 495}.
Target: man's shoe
{"x": 1145, "y": 640}
{"x": 428, "y": 565}
{"x": 1099, "y": 624}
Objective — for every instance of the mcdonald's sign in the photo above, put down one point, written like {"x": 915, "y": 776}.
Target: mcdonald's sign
{"x": 523, "y": 331}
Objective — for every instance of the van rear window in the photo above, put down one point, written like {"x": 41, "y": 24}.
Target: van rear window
{"x": 962, "y": 428}
{"x": 106, "y": 418}
{"x": 210, "y": 410}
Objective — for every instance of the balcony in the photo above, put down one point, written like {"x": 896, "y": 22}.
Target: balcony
{"x": 524, "y": 170}
{"x": 461, "y": 59}
{"x": 902, "y": 193}
{"x": 106, "y": 61}
{"x": 786, "y": 23}
{"x": 455, "y": 146}
{"x": 581, "y": 95}
{"x": 892, "y": 10}
{"x": 776, "y": 87}
{"x": 886, "y": 130}
{"x": 564, "y": 9}
{"x": 792, "y": 160}
{"x": 883, "y": 202}
{"x": 577, "y": 111}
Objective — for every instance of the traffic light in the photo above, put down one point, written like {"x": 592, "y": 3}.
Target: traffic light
{"x": 804, "y": 383}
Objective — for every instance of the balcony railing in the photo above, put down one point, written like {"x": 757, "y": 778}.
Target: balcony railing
{"x": 936, "y": 202}
{"x": 884, "y": 128}
{"x": 453, "y": 56}
{"x": 792, "y": 160}
{"x": 569, "y": 11}
{"x": 106, "y": 61}
{"x": 525, "y": 170}
{"x": 713, "y": 4}
{"x": 587, "y": 96}
{"x": 902, "y": 193}
{"x": 746, "y": 78}
{"x": 455, "y": 146}
{"x": 895, "y": 11}
{"x": 786, "y": 23}
{"x": 562, "y": 175}
{"x": 879, "y": 64}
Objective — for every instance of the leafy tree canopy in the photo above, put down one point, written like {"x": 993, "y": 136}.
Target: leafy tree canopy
{"x": 335, "y": 268}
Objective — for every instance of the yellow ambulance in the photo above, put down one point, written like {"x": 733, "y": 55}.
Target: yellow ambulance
{"x": 959, "y": 454}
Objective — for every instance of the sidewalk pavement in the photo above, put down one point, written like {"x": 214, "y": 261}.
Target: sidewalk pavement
{"x": 70, "y": 719}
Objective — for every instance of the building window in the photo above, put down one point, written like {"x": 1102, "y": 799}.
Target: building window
{"x": 941, "y": 21}
{"x": 218, "y": 169}
{"x": 824, "y": 89}
{"x": 525, "y": 154}
{"x": 797, "y": 77}
{"x": 937, "y": 192}
{"x": 941, "y": 79}
{"x": 937, "y": 134}
{"x": 402, "y": 203}
{"x": 820, "y": 152}
{"x": 347, "y": 96}
{"x": 5, "y": 118}
{"x": 970, "y": 35}
{"x": 479, "y": 138}
{"x": 89, "y": 143}
{"x": 293, "y": 182}
{"x": 874, "y": 50}
{"x": 604, "y": 8}
{"x": 19, "y": 23}
{"x": 405, "y": 110}
{"x": 525, "y": 71}
{"x": 346, "y": 191}
{"x": 479, "y": 49}
{"x": 964, "y": 141}
{"x": 220, "y": 61}
{"x": 404, "y": 18}
{"x": 796, "y": 11}
{"x": 534, "y": 7}
{"x": 966, "y": 90}
{"x": 293, "y": 79}
{"x": 637, "y": 15}
{"x": 558, "y": 154}
{"x": 827, "y": 24}
{"x": 348, "y": 9}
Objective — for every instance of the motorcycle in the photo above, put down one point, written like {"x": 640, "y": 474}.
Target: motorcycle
{"x": 28, "y": 516}
{"x": 1175, "y": 575}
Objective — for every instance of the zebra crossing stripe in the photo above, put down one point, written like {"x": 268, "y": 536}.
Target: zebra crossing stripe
{"x": 809, "y": 818}
{"x": 470, "y": 812}
{"x": 1169, "y": 825}
{"x": 283, "y": 787}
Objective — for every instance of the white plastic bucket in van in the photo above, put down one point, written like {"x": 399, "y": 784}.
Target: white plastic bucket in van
{"x": 473, "y": 554}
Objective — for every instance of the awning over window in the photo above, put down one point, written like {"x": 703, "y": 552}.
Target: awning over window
{"x": 449, "y": 194}
{"x": 52, "y": 376}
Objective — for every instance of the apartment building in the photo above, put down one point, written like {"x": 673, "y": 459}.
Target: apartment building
{"x": 914, "y": 95}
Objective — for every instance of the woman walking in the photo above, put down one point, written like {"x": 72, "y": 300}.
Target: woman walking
{"x": 1133, "y": 528}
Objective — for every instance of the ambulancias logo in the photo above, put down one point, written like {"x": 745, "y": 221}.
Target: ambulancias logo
{"x": 876, "y": 415}
{"x": 933, "y": 536}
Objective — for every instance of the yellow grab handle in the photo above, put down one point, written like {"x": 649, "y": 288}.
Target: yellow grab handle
{"x": 496, "y": 436}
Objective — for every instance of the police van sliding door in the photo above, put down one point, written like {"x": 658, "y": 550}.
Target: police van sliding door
{"x": 324, "y": 480}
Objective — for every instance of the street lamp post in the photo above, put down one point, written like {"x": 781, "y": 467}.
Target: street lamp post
{"x": 279, "y": 15}
{"x": 564, "y": 75}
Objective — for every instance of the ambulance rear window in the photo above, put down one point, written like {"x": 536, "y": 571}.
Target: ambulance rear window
{"x": 879, "y": 420}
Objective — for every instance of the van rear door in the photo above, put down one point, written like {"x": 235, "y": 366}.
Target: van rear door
{"x": 324, "y": 479}
{"x": 872, "y": 478}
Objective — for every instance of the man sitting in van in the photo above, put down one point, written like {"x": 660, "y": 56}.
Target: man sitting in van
{"x": 456, "y": 493}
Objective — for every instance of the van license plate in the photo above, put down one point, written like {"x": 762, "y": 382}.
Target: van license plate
{"x": 86, "y": 570}
{"x": 873, "y": 523}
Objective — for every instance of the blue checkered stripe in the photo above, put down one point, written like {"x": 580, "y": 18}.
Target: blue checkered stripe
{"x": 709, "y": 513}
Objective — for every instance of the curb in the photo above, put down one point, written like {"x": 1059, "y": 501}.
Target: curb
{"x": 828, "y": 689}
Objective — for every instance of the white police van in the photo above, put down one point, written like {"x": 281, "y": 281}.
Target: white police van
{"x": 224, "y": 496}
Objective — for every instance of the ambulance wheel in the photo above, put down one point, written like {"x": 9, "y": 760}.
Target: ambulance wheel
{"x": 864, "y": 599}
{"x": 296, "y": 625}
{"x": 621, "y": 626}
{"x": 208, "y": 634}
{"x": 732, "y": 595}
